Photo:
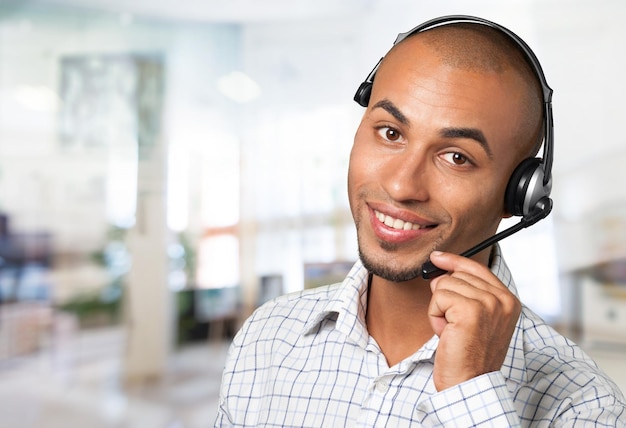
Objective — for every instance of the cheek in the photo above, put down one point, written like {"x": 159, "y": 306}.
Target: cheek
{"x": 355, "y": 176}
{"x": 362, "y": 167}
{"x": 478, "y": 207}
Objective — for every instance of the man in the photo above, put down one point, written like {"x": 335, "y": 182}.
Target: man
{"x": 453, "y": 110}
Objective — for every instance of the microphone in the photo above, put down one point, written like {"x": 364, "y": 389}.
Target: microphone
{"x": 541, "y": 211}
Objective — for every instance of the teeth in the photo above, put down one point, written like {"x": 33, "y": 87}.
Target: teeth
{"x": 395, "y": 223}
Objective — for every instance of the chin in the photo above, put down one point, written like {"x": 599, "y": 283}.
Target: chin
{"x": 390, "y": 272}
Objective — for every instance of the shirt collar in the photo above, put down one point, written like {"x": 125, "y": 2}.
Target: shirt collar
{"x": 348, "y": 305}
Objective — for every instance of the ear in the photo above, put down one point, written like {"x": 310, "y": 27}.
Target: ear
{"x": 505, "y": 211}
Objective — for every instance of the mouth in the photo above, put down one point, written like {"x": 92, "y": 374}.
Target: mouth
{"x": 398, "y": 224}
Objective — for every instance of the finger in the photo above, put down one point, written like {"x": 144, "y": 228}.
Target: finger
{"x": 471, "y": 286}
{"x": 437, "y": 314}
{"x": 486, "y": 288}
{"x": 462, "y": 267}
{"x": 453, "y": 262}
{"x": 459, "y": 303}
{"x": 467, "y": 286}
{"x": 465, "y": 300}
{"x": 448, "y": 307}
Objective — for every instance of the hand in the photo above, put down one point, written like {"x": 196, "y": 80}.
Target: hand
{"x": 474, "y": 315}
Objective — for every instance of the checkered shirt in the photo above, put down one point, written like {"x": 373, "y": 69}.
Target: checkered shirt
{"x": 307, "y": 360}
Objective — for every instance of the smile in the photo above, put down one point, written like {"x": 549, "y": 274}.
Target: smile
{"x": 396, "y": 223}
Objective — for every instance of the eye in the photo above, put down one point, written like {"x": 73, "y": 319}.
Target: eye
{"x": 456, "y": 158}
{"x": 389, "y": 133}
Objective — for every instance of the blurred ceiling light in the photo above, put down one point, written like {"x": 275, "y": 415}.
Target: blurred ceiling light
{"x": 239, "y": 87}
{"x": 37, "y": 98}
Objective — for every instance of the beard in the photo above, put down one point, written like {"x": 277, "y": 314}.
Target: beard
{"x": 384, "y": 270}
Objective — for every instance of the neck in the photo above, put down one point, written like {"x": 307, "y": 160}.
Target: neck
{"x": 397, "y": 316}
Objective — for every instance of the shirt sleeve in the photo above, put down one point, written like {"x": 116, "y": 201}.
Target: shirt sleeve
{"x": 224, "y": 417}
{"x": 483, "y": 401}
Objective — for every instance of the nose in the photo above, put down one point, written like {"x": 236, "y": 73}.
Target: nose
{"x": 406, "y": 176}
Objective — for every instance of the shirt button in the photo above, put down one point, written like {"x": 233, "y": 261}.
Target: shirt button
{"x": 382, "y": 386}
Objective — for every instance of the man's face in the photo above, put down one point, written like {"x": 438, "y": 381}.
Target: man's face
{"x": 431, "y": 159}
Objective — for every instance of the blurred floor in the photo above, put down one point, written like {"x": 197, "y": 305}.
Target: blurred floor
{"x": 77, "y": 384}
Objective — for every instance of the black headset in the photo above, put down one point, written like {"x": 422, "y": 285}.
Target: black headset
{"x": 531, "y": 182}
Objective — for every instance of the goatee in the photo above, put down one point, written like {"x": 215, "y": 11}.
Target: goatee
{"x": 384, "y": 271}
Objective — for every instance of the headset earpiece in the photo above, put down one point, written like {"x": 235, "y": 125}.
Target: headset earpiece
{"x": 526, "y": 187}
{"x": 362, "y": 95}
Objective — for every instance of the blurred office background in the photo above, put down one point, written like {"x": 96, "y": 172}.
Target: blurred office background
{"x": 166, "y": 167}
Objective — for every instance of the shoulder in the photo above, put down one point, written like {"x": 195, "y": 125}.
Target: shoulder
{"x": 541, "y": 338}
{"x": 561, "y": 371}
{"x": 296, "y": 304}
{"x": 288, "y": 314}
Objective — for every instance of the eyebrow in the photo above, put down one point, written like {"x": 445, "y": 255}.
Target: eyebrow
{"x": 390, "y": 108}
{"x": 469, "y": 133}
